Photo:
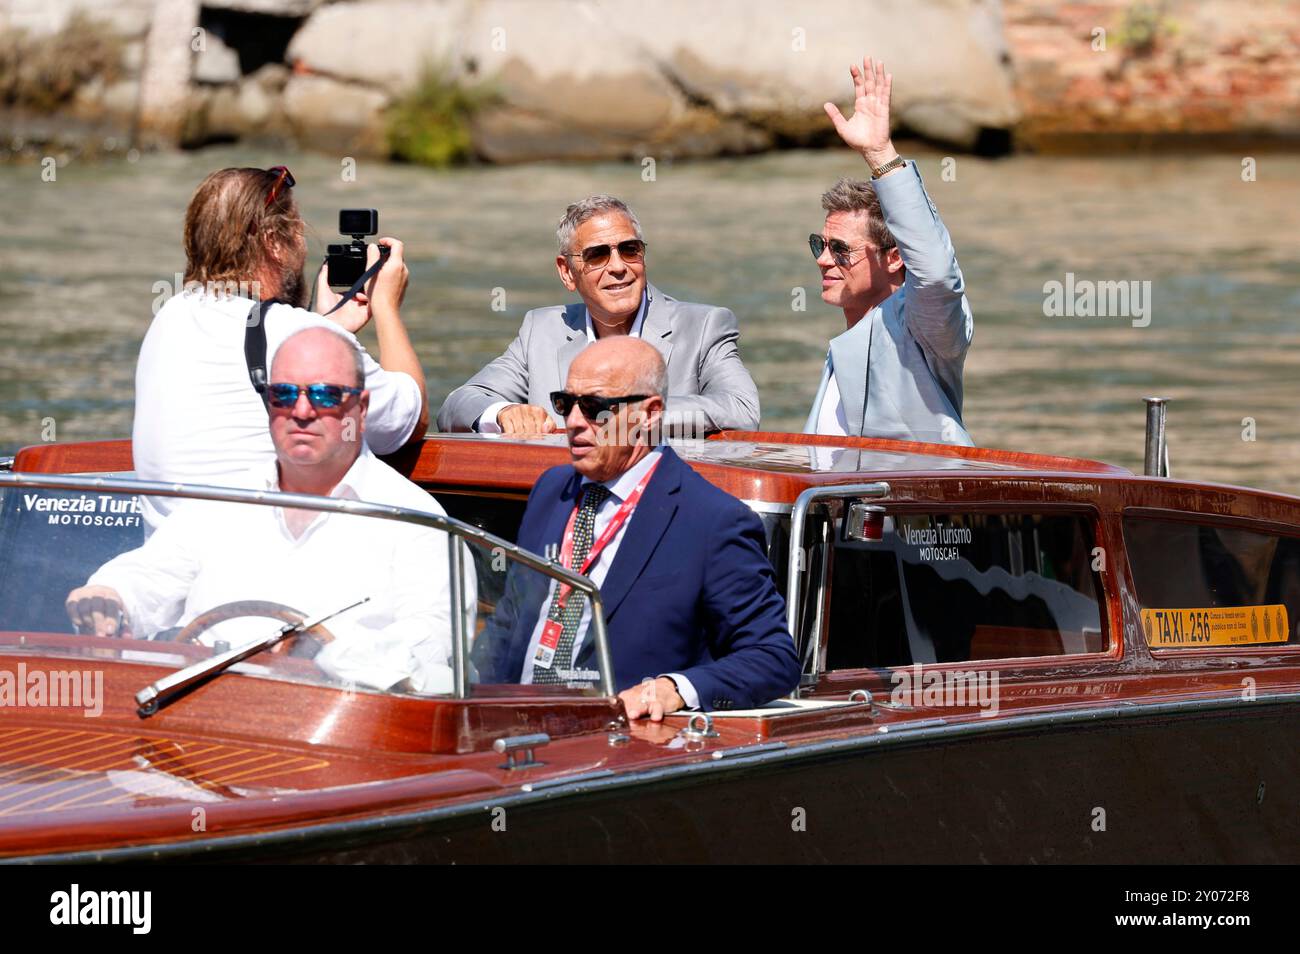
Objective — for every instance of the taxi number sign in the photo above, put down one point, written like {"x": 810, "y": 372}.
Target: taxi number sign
{"x": 1215, "y": 626}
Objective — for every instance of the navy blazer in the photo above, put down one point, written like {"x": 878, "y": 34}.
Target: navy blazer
{"x": 690, "y": 591}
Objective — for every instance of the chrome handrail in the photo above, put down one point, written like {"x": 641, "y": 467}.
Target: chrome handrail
{"x": 877, "y": 488}
{"x": 449, "y": 525}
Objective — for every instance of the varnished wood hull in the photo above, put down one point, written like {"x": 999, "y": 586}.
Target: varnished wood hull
{"x": 1180, "y": 783}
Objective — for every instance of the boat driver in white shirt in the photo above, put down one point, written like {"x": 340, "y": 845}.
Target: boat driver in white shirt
{"x": 198, "y": 419}
{"x": 207, "y": 554}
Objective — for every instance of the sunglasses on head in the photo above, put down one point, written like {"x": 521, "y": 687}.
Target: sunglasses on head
{"x": 840, "y": 250}
{"x": 591, "y": 405}
{"x": 284, "y": 178}
{"x": 321, "y": 396}
{"x": 597, "y": 256}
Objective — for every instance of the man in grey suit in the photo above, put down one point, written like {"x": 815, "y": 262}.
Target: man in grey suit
{"x": 602, "y": 258}
{"x": 887, "y": 261}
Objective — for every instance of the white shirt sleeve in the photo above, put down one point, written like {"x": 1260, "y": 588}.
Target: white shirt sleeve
{"x": 394, "y": 406}
{"x": 418, "y": 644}
{"x": 154, "y": 580}
{"x": 487, "y": 421}
{"x": 685, "y": 689}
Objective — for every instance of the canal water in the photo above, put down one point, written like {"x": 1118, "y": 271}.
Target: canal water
{"x": 1213, "y": 322}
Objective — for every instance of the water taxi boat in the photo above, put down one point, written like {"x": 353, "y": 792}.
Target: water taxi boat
{"x": 1008, "y": 657}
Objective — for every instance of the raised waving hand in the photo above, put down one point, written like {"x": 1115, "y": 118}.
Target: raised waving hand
{"x": 867, "y": 130}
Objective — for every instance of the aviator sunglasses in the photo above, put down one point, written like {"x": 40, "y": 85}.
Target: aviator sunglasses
{"x": 839, "y": 250}
{"x": 591, "y": 405}
{"x": 597, "y": 256}
{"x": 321, "y": 396}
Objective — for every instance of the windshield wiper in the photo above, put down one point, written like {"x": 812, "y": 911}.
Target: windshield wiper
{"x": 158, "y": 694}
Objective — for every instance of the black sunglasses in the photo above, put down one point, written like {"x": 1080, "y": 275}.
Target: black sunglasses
{"x": 321, "y": 396}
{"x": 597, "y": 256}
{"x": 591, "y": 405}
{"x": 285, "y": 179}
{"x": 840, "y": 250}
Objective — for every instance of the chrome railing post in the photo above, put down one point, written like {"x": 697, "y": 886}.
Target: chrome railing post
{"x": 796, "y": 561}
{"x": 1155, "y": 462}
{"x": 459, "y": 637}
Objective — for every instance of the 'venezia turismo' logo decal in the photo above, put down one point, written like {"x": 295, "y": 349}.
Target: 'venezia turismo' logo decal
{"x": 935, "y": 540}
{"x": 85, "y": 510}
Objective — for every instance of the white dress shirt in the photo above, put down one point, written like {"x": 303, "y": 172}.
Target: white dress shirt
{"x": 208, "y": 553}
{"x": 487, "y": 422}
{"x": 619, "y": 488}
{"x": 830, "y": 416}
{"x": 198, "y": 419}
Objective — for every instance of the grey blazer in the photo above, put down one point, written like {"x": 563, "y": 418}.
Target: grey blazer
{"x": 708, "y": 386}
{"x": 914, "y": 342}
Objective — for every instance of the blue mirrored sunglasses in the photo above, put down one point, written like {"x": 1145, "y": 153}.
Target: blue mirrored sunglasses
{"x": 321, "y": 396}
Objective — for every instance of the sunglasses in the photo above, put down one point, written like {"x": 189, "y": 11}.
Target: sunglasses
{"x": 591, "y": 405}
{"x": 597, "y": 256}
{"x": 840, "y": 250}
{"x": 284, "y": 179}
{"x": 321, "y": 396}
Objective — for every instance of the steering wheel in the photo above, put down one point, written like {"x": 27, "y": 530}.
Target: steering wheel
{"x": 304, "y": 645}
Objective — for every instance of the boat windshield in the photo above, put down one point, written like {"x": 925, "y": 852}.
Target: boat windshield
{"x": 83, "y": 575}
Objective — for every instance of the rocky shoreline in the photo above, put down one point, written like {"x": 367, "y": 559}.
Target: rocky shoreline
{"x": 522, "y": 80}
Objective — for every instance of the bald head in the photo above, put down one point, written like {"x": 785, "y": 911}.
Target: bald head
{"x": 315, "y": 445}
{"x": 324, "y": 349}
{"x": 617, "y": 366}
{"x": 629, "y": 365}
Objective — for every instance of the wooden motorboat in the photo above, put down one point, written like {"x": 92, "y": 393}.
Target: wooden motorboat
{"x": 1008, "y": 657}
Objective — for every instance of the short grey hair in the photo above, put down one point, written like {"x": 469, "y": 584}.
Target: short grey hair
{"x": 589, "y": 208}
{"x": 855, "y": 195}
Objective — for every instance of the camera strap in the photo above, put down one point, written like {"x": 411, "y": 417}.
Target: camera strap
{"x": 255, "y": 345}
{"x": 360, "y": 283}
{"x": 255, "y": 325}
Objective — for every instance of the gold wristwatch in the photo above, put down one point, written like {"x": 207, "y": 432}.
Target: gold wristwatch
{"x": 887, "y": 167}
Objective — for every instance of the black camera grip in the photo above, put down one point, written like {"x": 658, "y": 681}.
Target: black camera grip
{"x": 360, "y": 283}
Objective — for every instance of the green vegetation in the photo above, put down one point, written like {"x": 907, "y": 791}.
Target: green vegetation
{"x": 44, "y": 73}
{"x": 430, "y": 124}
{"x": 1143, "y": 26}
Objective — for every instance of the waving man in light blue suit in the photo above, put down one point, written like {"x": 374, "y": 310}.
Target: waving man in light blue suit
{"x": 887, "y": 261}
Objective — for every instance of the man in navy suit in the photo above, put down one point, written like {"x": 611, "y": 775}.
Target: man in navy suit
{"x": 694, "y": 616}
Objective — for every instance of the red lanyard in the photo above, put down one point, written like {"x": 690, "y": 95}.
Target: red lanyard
{"x": 611, "y": 530}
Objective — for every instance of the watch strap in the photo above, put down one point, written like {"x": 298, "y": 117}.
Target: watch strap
{"x": 892, "y": 164}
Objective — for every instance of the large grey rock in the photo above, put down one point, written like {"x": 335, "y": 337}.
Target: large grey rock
{"x": 385, "y": 43}
{"x": 215, "y": 62}
{"x": 254, "y": 103}
{"x": 272, "y": 77}
{"x": 130, "y": 18}
{"x": 278, "y": 8}
{"x": 223, "y": 116}
{"x": 164, "y": 84}
{"x": 777, "y": 63}
{"x": 120, "y": 99}
{"x": 332, "y": 115}
{"x": 586, "y": 79}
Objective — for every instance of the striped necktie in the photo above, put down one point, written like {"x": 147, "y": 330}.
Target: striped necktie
{"x": 570, "y": 615}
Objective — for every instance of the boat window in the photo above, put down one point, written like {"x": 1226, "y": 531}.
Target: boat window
{"x": 776, "y": 533}
{"x": 219, "y": 574}
{"x": 499, "y": 516}
{"x": 952, "y": 587}
{"x": 513, "y": 642}
{"x": 1233, "y": 586}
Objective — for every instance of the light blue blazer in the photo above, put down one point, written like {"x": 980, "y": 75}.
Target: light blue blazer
{"x": 915, "y": 341}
